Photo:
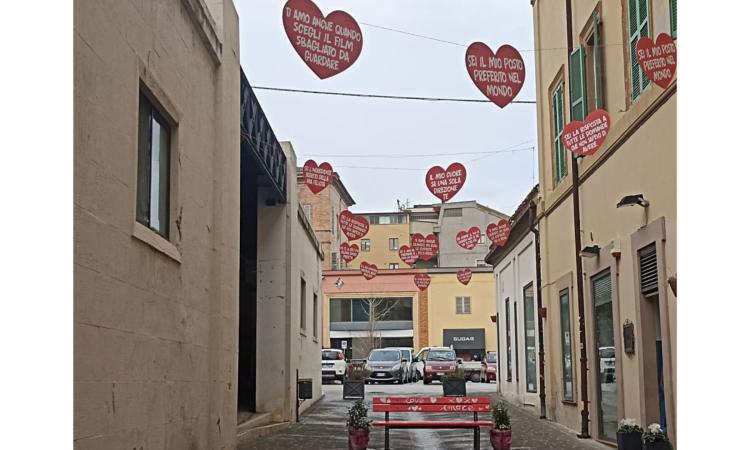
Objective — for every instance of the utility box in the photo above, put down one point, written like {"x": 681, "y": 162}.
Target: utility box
{"x": 304, "y": 389}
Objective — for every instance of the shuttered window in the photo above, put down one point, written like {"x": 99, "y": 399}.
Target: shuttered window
{"x": 594, "y": 67}
{"x": 648, "y": 271}
{"x": 558, "y": 123}
{"x": 637, "y": 28}
{"x": 577, "y": 75}
{"x": 673, "y": 17}
{"x": 602, "y": 289}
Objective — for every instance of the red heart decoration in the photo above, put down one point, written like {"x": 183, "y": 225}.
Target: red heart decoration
{"x": 369, "y": 271}
{"x": 657, "y": 59}
{"x": 585, "y": 138}
{"x": 464, "y": 276}
{"x": 317, "y": 177}
{"x": 422, "y": 280}
{"x": 445, "y": 183}
{"x": 354, "y": 227}
{"x": 500, "y": 75}
{"x": 499, "y": 233}
{"x": 408, "y": 254}
{"x": 348, "y": 252}
{"x": 328, "y": 45}
{"x": 427, "y": 247}
{"x": 469, "y": 239}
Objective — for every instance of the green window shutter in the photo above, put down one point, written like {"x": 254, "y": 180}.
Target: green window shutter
{"x": 561, "y": 169}
{"x": 577, "y": 85}
{"x": 598, "y": 76}
{"x": 673, "y": 17}
{"x": 638, "y": 26}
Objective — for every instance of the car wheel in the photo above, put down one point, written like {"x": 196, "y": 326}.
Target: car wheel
{"x": 426, "y": 381}
{"x": 474, "y": 377}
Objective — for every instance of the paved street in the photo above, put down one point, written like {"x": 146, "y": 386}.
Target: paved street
{"x": 322, "y": 427}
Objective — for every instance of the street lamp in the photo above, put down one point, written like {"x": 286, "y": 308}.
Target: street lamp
{"x": 632, "y": 200}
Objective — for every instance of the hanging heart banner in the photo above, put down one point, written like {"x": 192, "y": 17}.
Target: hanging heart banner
{"x": 499, "y": 232}
{"x": 328, "y": 45}
{"x": 469, "y": 239}
{"x": 657, "y": 59}
{"x": 408, "y": 254}
{"x": 426, "y": 246}
{"x": 349, "y": 252}
{"x": 354, "y": 227}
{"x": 445, "y": 183}
{"x": 317, "y": 177}
{"x": 369, "y": 271}
{"x": 464, "y": 276}
{"x": 499, "y": 75}
{"x": 585, "y": 138}
{"x": 422, "y": 281}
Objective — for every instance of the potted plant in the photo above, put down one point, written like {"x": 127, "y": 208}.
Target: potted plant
{"x": 629, "y": 435}
{"x": 454, "y": 383}
{"x": 500, "y": 433}
{"x": 359, "y": 426}
{"x": 655, "y": 439}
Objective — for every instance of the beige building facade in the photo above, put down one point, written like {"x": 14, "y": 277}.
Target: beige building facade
{"x": 629, "y": 310}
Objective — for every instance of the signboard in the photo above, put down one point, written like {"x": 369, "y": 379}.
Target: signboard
{"x": 408, "y": 254}
{"x": 426, "y": 246}
{"x": 499, "y": 75}
{"x": 317, "y": 177}
{"x": 354, "y": 227}
{"x": 468, "y": 339}
{"x": 369, "y": 271}
{"x": 422, "y": 281}
{"x": 657, "y": 59}
{"x": 348, "y": 252}
{"x": 585, "y": 138}
{"x": 499, "y": 233}
{"x": 445, "y": 183}
{"x": 344, "y": 343}
{"x": 469, "y": 239}
{"x": 464, "y": 276}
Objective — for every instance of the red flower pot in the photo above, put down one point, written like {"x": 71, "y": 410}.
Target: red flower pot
{"x": 500, "y": 439}
{"x": 358, "y": 438}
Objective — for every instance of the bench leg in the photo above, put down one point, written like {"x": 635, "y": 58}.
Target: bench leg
{"x": 476, "y": 434}
{"x": 387, "y": 433}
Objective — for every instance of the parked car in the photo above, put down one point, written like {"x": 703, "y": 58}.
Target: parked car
{"x": 418, "y": 362}
{"x": 438, "y": 362}
{"x": 385, "y": 364}
{"x": 607, "y": 364}
{"x": 333, "y": 364}
{"x": 472, "y": 366}
{"x": 407, "y": 354}
{"x": 489, "y": 368}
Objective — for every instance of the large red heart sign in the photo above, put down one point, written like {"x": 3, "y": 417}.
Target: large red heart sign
{"x": 328, "y": 45}
{"x": 354, "y": 227}
{"x": 369, "y": 271}
{"x": 408, "y": 254}
{"x": 499, "y": 233}
{"x": 422, "y": 281}
{"x": 657, "y": 59}
{"x": 464, "y": 276}
{"x": 469, "y": 239}
{"x": 445, "y": 183}
{"x": 348, "y": 252}
{"x": 426, "y": 246}
{"x": 585, "y": 138}
{"x": 317, "y": 177}
{"x": 500, "y": 75}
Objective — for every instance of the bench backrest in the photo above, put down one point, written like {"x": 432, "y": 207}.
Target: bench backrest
{"x": 431, "y": 404}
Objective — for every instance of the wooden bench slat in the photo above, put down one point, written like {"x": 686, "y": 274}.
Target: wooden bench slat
{"x": 433, "y": 424}
{"x": 431, "y": 400}
{"x": 431, "y": 408}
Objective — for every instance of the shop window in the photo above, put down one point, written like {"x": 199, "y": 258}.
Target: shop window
{"x": 566, "y": 340}
{"x": 529, "y": 329}
{"x": 508, "y": 351}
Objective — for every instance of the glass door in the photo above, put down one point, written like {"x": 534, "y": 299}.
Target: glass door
{"x": 606, "y": 356}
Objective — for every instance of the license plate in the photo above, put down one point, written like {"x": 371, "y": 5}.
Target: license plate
{"x": 379, "y": 374}
{"x": 440, "y": 374}
{"x": 327, "y": 365}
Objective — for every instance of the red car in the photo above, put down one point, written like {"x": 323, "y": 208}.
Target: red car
{"x": 439, "y": 362}
{"x": 489, "y": 368}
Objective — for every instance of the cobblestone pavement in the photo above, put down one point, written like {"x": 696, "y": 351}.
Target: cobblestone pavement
{"x": 322, "y": 426}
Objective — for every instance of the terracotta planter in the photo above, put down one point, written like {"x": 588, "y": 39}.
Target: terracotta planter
{"x": 629, "y": 441}
{"x": 661, "y": 445}
{"x": 500, "y": 439}
{"x": 358, "y": 438}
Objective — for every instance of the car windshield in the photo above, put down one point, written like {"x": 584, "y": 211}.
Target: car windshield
{"x": 491, "y": 358}
{"x": 405, "y": 354}
{"x": 441, "y": 355}
{"x": 329, "y": 355}
{"x": 384, "y": 355}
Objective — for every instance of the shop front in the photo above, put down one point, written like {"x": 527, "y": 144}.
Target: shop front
{"x": 468, "y": 343}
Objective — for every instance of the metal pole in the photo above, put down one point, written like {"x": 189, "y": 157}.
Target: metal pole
{"x": 540, "y": 323}
{"x": 296, "y": 399}
{"x": 579, "y": 270}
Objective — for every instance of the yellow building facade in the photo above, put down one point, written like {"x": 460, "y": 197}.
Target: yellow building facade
{"x": 388, "y": 232}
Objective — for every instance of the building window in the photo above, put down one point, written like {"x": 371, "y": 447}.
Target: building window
{"x": 302, "y": 304}
{"x": 637, "y": 28}
{"x": 567, "y": 346}
{"x": 508, "y": 351}
{"x": 334, "y": 261}
{"x": 315, "y": 315}
{"x": 387, "y": 219}
{"x": 364, "y": 245}
{"x": 593, "y": 68}
{"x": 393, "y": 244}
{"x": 481, "y": 263}
{"x": 463, "y": 305}
{"x": 358, "y": 309}
{"x": 154, "y": 161}
{"x": 515, "y": 337}
{"x": 604, "y": 334}
{"x": 454, "y": 212}
{"x": 393, "y": 265}
{"x": 673, "y": 17}
{"x": 482, "y": 238}
{"x": 529, "y": 330}
{"x": 308, "y": 211}
{"x": 558, "y": 123}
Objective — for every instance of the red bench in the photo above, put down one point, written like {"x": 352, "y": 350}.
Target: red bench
{"x": 432, "y": 405}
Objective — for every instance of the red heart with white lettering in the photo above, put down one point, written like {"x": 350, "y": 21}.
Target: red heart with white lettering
{"x": 464, "y": 276}
{"x": 426, "y": 246}
{"x": 585, "y": 138}
{"x": 499, "y": 75}
{"x": 657, "y": 59}
{"x": 469, "y": 239}
{"x": 354, "y": 227}
{"x": 348, "y": 252}
{"x": 328, "y": 45}
{"x": 445, "y": 183}
{"x": 422, "y": 280}
{"x": 408, "y": 254}
{"x": 499, "y": 233}
{"x": 369, "y": 271}
{"x": 317, "y": 177}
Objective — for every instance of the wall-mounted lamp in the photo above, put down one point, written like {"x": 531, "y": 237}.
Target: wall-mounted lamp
{"x": 632, "y": 200}
{"x": 338, "y": 283}
{"x": 493, "y": 318}
{"x": 589, "y": 251}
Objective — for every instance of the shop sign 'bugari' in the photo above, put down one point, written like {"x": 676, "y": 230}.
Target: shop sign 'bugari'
{"x": 317, "y": 177}
{"x": 328, "y": 45}
{"x": 585, "y": 138}
{"x": 657, "y": 59}
{"x": 354, "y": 227}
{"x": 445, "y": 183}
{"x": 500, "y": 75}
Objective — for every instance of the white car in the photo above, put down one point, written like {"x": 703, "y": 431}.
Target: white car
{"x": 333, "y": 364}
{"x": 418, "y": 363}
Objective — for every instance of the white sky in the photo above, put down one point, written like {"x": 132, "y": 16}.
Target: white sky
{"x": 396, "y": 64}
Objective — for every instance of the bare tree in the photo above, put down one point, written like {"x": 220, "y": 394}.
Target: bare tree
{"x": 376, "y": 310}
